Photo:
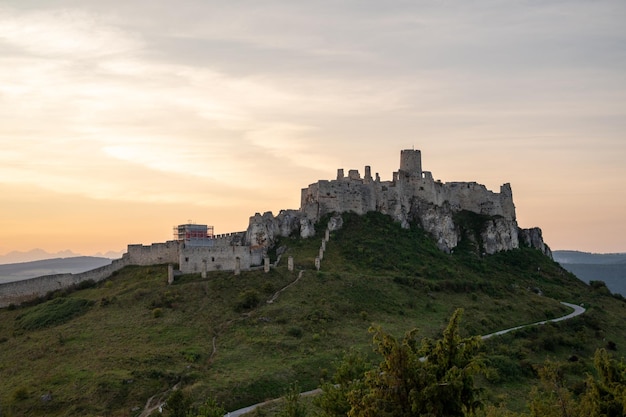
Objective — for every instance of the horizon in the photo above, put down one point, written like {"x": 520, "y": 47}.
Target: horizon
{"x": 122, "y": 120}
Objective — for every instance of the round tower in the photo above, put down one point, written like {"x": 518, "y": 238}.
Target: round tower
{"x": 411, "y": 162}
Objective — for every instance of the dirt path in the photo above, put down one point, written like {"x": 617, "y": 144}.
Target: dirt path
{"x": 277, "y": 293}
{"x": 578, "y": 310}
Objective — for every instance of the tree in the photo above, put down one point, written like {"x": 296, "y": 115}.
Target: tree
{"x": 420, "y": 377}
{"x": 333, "y": 402}
{"x": 293, "y": 407}
{"x": 552, "y": 398}
{"x": 210, "y": 408}
{"x": 606, "y": 395}
{"x": 178, "y": 404}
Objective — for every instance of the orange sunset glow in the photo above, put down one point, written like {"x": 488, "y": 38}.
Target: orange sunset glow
{"x": 122, "y": 119}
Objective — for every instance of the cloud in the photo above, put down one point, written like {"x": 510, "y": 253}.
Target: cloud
{"x": 63, "y": 33}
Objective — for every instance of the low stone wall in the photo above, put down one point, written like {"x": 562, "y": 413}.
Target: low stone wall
{"x": 17, "y": 292}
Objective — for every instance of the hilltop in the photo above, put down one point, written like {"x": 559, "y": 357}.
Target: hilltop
{"x": 106, "y": 348}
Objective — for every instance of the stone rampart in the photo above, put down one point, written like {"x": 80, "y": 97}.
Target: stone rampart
{"x": 218, "y": 258}
{"x": 17, "y": 292}
{"x": 157, "y": 253}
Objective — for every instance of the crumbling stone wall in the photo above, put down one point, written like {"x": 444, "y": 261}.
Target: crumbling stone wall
{"x": 411, "y": 196}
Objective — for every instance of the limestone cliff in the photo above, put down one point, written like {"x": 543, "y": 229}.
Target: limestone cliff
{"x": 411, "y": 196}
{"x": 533, "y": 238}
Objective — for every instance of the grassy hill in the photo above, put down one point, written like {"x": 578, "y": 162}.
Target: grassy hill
{"x": 107, "y": 349}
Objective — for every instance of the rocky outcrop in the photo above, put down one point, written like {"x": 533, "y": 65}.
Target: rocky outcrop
{"x": 335, "y": 222}
{"x": 533, "y": 238}
{"x": 264, "y": 229}
{"x": 499, "y": 234}
{"x": 438, "y": 221}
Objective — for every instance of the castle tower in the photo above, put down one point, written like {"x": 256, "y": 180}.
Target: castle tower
{"x": 411, "y": 162}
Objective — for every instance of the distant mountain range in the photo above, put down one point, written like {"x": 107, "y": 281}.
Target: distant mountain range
{"x": 73, "y": 265}
{"x": 607, "y": 267}
{"x": 40, "y": 254}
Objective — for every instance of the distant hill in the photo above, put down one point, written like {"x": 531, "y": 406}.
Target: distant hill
{"x": 577, "y": 257}
{"x": 607, "y": 267}
{"x": 40, "y": 255}
{"x": 25, "y": 270}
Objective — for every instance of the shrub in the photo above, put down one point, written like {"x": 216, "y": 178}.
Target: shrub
{"x": 248, "y": 299}
{"x": 157, "y": 312}
{"x": 83, "y": 285}
{"x": 268, "y": 288}
{"x": 295, "y": 332}
{"x": 20, "y": 394}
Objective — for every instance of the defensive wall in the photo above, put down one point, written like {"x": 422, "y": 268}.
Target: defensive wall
{"x": 154, "y": 254}
{"x": 19, "y": 291}
{"x": 352, "y": 193}
{"x": 219, "y": 258}
{"x": 219, "y": 253}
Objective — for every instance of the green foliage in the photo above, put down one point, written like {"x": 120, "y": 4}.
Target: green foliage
{"x": 415, "y": 377}
{"x": 178, "y": 404}
{"x": 552, "y": 398}
{"x": 210, "y": 408}
{"x": 348, "y": 377}
{"x": 606, "y": 395}
{"x": 52, "y": 313}
{"x": 292, "y": 406}
{"x": 248, "y": 299}
{"x": 20, "y": 394}
{"x": 295, "y": 332}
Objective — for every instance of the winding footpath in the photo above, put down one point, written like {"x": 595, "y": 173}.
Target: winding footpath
{"x": 578, "y": 310}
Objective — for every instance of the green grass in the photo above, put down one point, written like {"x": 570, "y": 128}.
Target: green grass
{"x": 105, "y": 351}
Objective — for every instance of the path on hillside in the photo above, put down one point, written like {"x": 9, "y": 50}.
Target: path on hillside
{"x": 157, "y": 401}
{"x": 277, "y": 293}
{"x": 578, "y": 310}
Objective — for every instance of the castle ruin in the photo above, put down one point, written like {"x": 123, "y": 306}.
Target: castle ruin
{"x": 411, "y": 196}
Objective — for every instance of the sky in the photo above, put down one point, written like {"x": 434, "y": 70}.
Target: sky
{"x": 122, "y": 119}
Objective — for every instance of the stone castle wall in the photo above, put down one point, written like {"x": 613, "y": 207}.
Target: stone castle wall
{"x": 157, "y": 253}
{"x": 414, "y": 196}
{"x": 19, "y": 291}
{"x": 219, "y": 258}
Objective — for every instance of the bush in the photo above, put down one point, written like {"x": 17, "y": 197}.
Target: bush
{"x": 295, "y": 332}
{"x": 20, "y": 394}
{"x": 268, "y": 288}
{"x": 157, "y": 312}
{"x": 248, "y": 299}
